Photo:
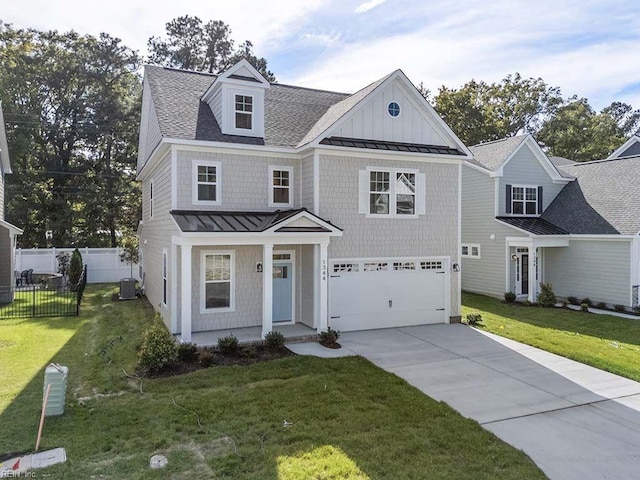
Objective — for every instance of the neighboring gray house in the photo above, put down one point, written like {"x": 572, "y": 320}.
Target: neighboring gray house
{"x": 8, "y": 232}
{"x": 268, "y": 204}
{"x": 529, "y": 219}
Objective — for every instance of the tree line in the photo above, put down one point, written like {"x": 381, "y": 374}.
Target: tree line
{"x": 72, "y": 110}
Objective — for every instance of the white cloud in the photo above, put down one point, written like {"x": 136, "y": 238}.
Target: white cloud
{"x": 370, "y": 5}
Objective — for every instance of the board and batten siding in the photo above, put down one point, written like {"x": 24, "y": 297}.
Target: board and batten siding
{"x": 486, "y": 274}
{"x": 525, "y": 169}
{"x": 432, "y": 234}
{"x": 597, "y": 269}
{"x": 245, "y": 180}
{"x": 156, "y": 235}
{"x": 372, "y": 120}
{"x": 150, "y": 134}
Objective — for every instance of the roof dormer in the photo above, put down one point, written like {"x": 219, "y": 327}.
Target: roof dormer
{"x": 236, "y": 98}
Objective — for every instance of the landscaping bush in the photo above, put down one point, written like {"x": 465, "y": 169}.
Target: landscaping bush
{"x": 546, "y": 297}
{"x": 586, "y": 300}
{"x": 250, "y": 351}
{"x": 619, "y": 308}
{"x": 274, "y": 339}
{"x": 584, "y": 307}
{"x": 330, "y": 337}
{"x": 573, "y": 300}
{"x": 509, "y": 297}
{"x": 528, "y": 303}
{"x": 473, "y": 319}
{"x": 228, "y": 345}
{"x": 636, "y": 309}
{"x": 601, "y": 305}
{"x": 187, "y": 352}
{"x": 75, "y": 268}
{"x": 158, "y": 348}
{"x": 206, "y": 358}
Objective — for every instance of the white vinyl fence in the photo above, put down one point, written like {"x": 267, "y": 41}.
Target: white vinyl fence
{"x": 103, "y": 264}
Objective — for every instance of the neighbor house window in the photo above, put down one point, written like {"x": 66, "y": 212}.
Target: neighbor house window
{"x": 164, "y": 278}
{"x": 206, "y": 182}
{"x": 217, "y": 281}
{"x": 151, "y": 199}
{"x": 280, "y": 181}
{"x": 471, "y": 250}
{"x": 244, "y": 112}
{"x": 392, "y": 192}
{"x": 524, "y": 200}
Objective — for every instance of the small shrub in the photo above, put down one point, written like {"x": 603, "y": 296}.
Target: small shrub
{"x": 250, "y": 351}
{"x": 75, "y": 268}
{"x": 601, "y": 305}
{"x": 584, "y": 307}
{"x": 527, "y": 303}
{"x": 187, "y": 352}
{"x": 619, "y": 308}
{"x": 565, "y": 304}
{"x": 586, "y": 300}
{"x": 636, "y": 309}
{"x": 473, "y": 319}
{"x": 573, "y": 300}
{"x": 158, "y": 348}
{"x": 228, "y": 345}
{"x": 274, "y": 339}
{"x": 546, "y": 297}
{"x": 330, "y": 337}
{"x": 206, "y": 358}
{"x": 509, "y": 297}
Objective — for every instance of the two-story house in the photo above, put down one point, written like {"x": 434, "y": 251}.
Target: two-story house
{"x": 8, "y": 232}
{"x": 268, "y": 204}
{"x": 529, "y": 219}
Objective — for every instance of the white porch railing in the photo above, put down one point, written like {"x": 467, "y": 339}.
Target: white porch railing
{"x": 104, "y": 264}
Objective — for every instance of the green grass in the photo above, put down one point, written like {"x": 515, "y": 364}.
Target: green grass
{"x": 349, "y": 418}
{"x": 602, "y": 341}
{"x": 39, "y": 301}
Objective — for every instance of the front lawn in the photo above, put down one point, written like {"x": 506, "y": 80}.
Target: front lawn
{"x": 346, "y": 418}
{"x": 602, "y": 341}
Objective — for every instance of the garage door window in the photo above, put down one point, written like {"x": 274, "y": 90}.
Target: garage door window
{"x": 431, "y": 265}
{"x": 376, "y": 266}
{"x": 404, "y": 265}
{"x": 345, "y": 267}
{"x": 217, "y": 281}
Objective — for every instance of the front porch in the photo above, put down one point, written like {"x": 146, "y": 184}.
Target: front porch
{"x": 250, "y": 335}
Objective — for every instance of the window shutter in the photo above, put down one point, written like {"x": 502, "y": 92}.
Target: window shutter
{"x": 363, "y": 192}
{"x": 508, "y": 200}
{"x": 421, "y": 193}
{"x": 540, "y": 203}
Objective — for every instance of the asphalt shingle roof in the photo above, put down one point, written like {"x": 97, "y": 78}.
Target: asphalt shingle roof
{"x": 604, "y": 198}
{"x": 491, "y": 155}
{"x": 290, "y": 112}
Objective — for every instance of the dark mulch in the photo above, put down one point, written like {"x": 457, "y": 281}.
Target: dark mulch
{"x": 245, "y": 356}
{"x": 334, "y": 345}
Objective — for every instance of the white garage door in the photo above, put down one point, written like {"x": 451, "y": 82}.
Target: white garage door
{"x": 375, "y": 293}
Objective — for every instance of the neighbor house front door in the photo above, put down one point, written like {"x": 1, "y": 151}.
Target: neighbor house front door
{"x": 282, "y": 291}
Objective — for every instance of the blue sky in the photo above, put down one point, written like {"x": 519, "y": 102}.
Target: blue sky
{"x": 587, "y": 48}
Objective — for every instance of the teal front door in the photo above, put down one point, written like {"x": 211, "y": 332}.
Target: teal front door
{"x": 282, "y": 291}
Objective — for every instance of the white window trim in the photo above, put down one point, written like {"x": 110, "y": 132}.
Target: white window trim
{"x": 165, "y": 277}
{"x": 232, "y": 279}
{"x": 469, "y": 247}
{"x": 392, "y": 192}
{"x": 194, "y": 182}
{"x": 524, "y": 206}
{"x": 151, "y": 198}
{"x": 274, "y": 168}
{"x": 251, "y": 113}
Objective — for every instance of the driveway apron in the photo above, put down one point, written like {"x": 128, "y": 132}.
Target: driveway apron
{"x": 574, "y": 421}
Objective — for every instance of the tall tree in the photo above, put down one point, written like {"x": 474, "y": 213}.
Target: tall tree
{"x": 480, "y": 112}
{"x": 579, "y": 133}
{"x": 66, "y": 95}
{"x": 193, "y": 45}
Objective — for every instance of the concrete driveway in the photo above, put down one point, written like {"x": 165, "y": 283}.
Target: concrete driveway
{"x": 574, "y": 421}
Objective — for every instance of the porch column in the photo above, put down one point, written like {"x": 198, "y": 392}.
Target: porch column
{"x": 323, "y": 320}
{"x": 533, "y": 286}
{"x": 185, "y": 304}
{"x": 267, "y": 288}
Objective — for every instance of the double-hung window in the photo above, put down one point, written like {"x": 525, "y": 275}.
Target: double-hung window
{"x": 206, "y": 182}
{"x": 392, "y": 192}
{"x": 470, "y": 250}
{"x": 524, "y": 200}
{"x": 244, "y": 112}
{"x": 217, "y": 281}
{"x": 280, "y": 191}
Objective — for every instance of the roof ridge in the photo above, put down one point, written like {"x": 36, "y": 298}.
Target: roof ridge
{"x": 602, "y": 160}
{"x": 499, "y": 140}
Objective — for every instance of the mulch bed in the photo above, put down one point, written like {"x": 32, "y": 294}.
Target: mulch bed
{"x": 245, "y": 356}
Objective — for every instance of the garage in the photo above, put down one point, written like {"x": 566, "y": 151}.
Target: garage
{"x": 384, "y": 293}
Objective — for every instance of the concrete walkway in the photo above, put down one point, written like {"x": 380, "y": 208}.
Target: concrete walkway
{"x": 574, "y": 421}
